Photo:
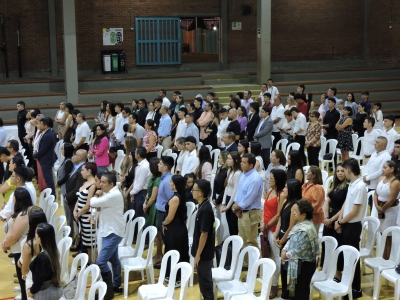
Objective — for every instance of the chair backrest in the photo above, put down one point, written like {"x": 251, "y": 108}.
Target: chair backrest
{"x": 395, "y": 250}
{"x": 209, "y": 147}
{"x": 62, "y": 233}
{"x": 59, "y": 222}
{"x": 350, "y": 257}
{"x": 150, "y": 231}
{"x": 332, "y": 144}
{"x": 322, "y": 152}
{"x": 57, "y": 150}
{"x": 369, "y": 194}
{"x": 174, "y": 256}
{"x": 214, "y": 156}
{"x": 94, "y": 272}
{"x": 137, "y": 223}
{"x": 101, "y": 288}
{"x": 118, "y": 162}
{"x": 305, "y": 169}
{"x": 324, "y": 175}
{"x": 186, "y": 272}
{"x": 253, "y": 254}
{"x": 47, "y": 209}
{"x": 63, "y": 249}
{"x": 167, "y": 152}
{"x": 190, "y": 207}
{"x": 282, "y": 145}
{"x": 372, "y": 225}
{"x": 82, "y": 260}
{"x": 212, "y": 186}
{"x": 272, "y": 139}
{"x": 354, "y": 138}
{"x": 237, "y": 244}
{"x": 217, "y": 224}
{"x": 268, "y": 268}
{"x": 44, "y": 194}
{"x": 192, "y": 221}
{"x": 52, "y": 212}
{"x": 360, "y": 141}
{"x": 330, "y": 244}
{"x": 292, "y": 146}
{"x": 327, "y": 184}
{"x": 128, "y": 216}
{"x": 174, "y": 156}
{"x": 159, "y": 150}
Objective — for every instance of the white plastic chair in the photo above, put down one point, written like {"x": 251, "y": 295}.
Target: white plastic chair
{"x": 59, "y": 222}
{"x": 331, "y": 288}
{"x": 359, "y": 141}
{"x": 190, "y": 207}
{"x": 305, "y": 169}
{"x": 186, "y": 270}
{"x": 43, "y": 195}
{"x": 82, "y": 260}
{"x": 140, "y": 263}
{"x": 209, "y": 147}
{"x": 167, "y": 152}
{"x": 282, "y": 145}
{"x": 394, "y": 277}
{"x": 332, "y": 144}
{"x": 267, "y": 270}
{"x": 324, "y": 175}
{"x": 159, "y": 149}
{"x": 236, "y": 286}
{"x": 127, "y": 250}
{"x": 128, "y": 216}
{"x": 292, "y": 146}
{"x": 214, "y": 156}
{"x": 327, "y": 184}
{"x": 52, "y": 212}
{"x": 94, "y": 271}
{"x": 101, "y": 288}
{"x": 378, "y": 264}
{"x": 370, "y": 229}
{"x": 174, "y": 156}
{"x": 158, "y": 290}
{"x": 323, "y": 148}
{"x": 212, "y": 187}
{"x": 47, "y": 209}
{"x": 62, "y": 233}
{"x": 118, "y": 162}
{"x": 220, "y": 273}
{"x": 330, "y": 244}
{"x": 63, "y": 249}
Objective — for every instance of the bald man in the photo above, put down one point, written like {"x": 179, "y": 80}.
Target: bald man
{"x": 72, "y": 186}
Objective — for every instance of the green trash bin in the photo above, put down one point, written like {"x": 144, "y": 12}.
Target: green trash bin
{"x": 114, "y": 62}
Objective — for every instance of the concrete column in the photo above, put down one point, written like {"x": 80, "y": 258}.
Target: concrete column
{"x": 70, "y": 56}
{"x": 53, "y": 37}
{"x": 366, "y": 31}
{"x": 224, "y": 34}
{"x": 263, "y": 40}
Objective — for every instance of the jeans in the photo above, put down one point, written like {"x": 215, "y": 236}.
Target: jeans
{"x": 109, "y": 253}
{"x": 137, "y": 204}
{"x": 101, "y": 169}
{"x": 205, "y": 279}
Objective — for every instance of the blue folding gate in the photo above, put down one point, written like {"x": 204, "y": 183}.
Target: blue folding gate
{"x": 158, "y": 41}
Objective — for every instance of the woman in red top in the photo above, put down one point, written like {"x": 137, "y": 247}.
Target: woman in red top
{"x": 272, "y": 207}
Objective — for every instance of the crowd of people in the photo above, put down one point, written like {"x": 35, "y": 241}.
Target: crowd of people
{"x": 256, "y": 186}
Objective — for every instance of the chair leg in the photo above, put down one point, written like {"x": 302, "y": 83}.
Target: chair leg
{"x": 126, "y": 282}
{"x": 151, "y": 273}
{"x": 396, "y": 290}
{"x": 377, "y": 284}
{"x": 191, "y": 276}
{"x": 142, "y": 273}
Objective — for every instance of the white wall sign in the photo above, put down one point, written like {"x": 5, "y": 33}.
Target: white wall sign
{"x": 113, "y": 36}
{"x": 236, "y": 25}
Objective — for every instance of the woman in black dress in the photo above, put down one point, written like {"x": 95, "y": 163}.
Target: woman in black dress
{"x": 334, "y": 202}
{"x": 211, "y": 130}
{"x": 286, "y": 223}
{"x": 174, "y": 231}
{"x": 295, "y": 166}
{"x": 127, "y": 183}
{"x": 358, "y": 127}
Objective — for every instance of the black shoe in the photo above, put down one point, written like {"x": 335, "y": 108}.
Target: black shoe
{"x": 107, "y": 278}
{"x": 356, "y": 294}
{"x": 118, "y": 290}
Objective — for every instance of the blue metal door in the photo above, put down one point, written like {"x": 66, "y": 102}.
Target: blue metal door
{"x": 158, "y": 41}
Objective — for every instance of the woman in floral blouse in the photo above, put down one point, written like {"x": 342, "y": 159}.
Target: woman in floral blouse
{"x": 313, "y": 139}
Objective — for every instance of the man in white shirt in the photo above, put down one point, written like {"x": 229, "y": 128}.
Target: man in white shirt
{"x": 223, "y": 125}
{"x": 389, "y": 132}
{"x": 111, "y": 230}
{"x": 82, "y": 133}
{"x": 370, "y": 136}
{"x": 278, "y": 117}
{"x": 272, "y": 89}
{"x": 376, "y": 113}
{"x": 350, "y": 216}
{"x": 263, "y": 91}
{"x": 120, "y": 120}
{"x": 247, "y": 100}
{"x": 181, "y": 128}
{"x": 142, "y": 176}
{"x": 191, "y": 160}
{"x": 299, "y": 130}
{"x": 163, "y": 95}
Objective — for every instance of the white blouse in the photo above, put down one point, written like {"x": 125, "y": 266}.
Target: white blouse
{"x": 231, "y": 187}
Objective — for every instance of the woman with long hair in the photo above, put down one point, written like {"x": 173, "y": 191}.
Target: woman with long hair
{"x": 30, "y": 126}
{"x": 61, "y": 118}
{"x": 278, "y": 161}
{"x": 255, "y": 148}
{"x": 111, "y": 115}
{"x": 292, "y": 192}
{"x": 272, "y": 208}
{"x": 175, "y": 121}
{"x": 69, "y": 123}
{"x": 212, "y": 130}
{"x": 180, "y": 144}
{"x": 358, "y": 123}
{"x": 310, "y": 104}
{"x": 351, "y": 101}
{"x": 386, "y": 207}
{"x": 82, "y": 206}
{"x": 231, "y": 184}
{"x": 7, "y": 188}
{"x": 345, "y": 130}
{"x": 30, "y": 248}
{"x": 129, "y": 144}
{"x": 235, "y": 103}
{"x": 313, "y": 138}
{"x": 17, "y": 227}
{"x": 102, "y": 115}
{"x": 204, "y": 170}
{"x": 174, "y": 231}
{"x": 151, "y": 114}
{"x": 242, "y": 119}
{"x": 99, "y": 149}
{"x": 243, "y": 147}
{"x": 46, "y": 268}
{"x": 127, "y": 183}
{"x": 295, "y": 166}
{"x": 179, "y": 103}
{"x": 150, "y": 139}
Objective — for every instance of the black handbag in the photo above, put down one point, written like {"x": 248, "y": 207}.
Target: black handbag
{"x": 265, "y": 246}
{"x": 397, "y": 269}
{"x": 328, "y": 156}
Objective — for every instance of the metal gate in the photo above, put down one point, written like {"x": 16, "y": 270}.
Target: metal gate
{"x": 158, "y": 41}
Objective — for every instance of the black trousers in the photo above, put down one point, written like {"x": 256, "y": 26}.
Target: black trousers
{"x": 19, "y": 276}
{"x": 312, "y": 153}
{"x": 205, "y": 279}
{"x": 301, "y": 139}
{"x": 265, "y": 154}
{"x": 302, "y": 290}
{"x": 84, "y": 147}
{"x": 232, "y": 220}
{"x": 351, "y": 236}
{"x": 277, "y": 138}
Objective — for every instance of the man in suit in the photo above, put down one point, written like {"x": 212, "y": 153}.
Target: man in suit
{"x": 45, "y": 153}
{"x": 254, "y": 119}
{"x": 72, "y": 186}
{"x": 263, "y": 134}
{"x": 229, "y": 140}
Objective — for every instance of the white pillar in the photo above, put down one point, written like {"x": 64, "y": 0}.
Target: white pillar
{"x": 263, "y": 40}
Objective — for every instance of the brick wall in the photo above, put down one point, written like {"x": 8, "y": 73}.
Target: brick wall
{"x": 301, "y": 29}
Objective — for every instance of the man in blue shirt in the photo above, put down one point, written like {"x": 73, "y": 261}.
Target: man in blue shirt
{"x": 164, "y": 194}
{"x": 164, "y": 130}
{"x": 365, "y": 96}
{"x": 247, "y": 201}
{"x": 191, "y": 128}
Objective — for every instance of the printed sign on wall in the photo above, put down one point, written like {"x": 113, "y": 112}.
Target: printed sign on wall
{"x": 113, "y": 36}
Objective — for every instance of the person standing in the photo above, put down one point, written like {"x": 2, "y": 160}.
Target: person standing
{"x": 136, "y": 129}
{"x": 111, "y": 230}
{"x": 376, "y": 113}
{"x": 181, "y": 128}
{"x": 332, "y": 116}
{"x": 365, "y": 96}
{"x": 247, "y": 201}
{"x": 350, "y": 216}
{"x": 164, "y": 130}
{"x": 21, "y": 119}
{"x": 223, "y": 125}
{"x": 234, "y": 125}
{"x": 254, "y": 119}
{"x": 82, "y": 133}
{"x": 142, "y": 113}
{"x": 191, "y": 160}
{"x": 278, "y": 117}
{"x": 204, "y": 238}
{"x": 165, "y": 101}
{"x": 263, "y": 134}
{"x": 142, "y": 176}
{"x": 271, "y": 88}
{"x": 247, "y": 100}
{"x": 229, "y": 142}
{"x": 299, "y": 130}
{"x": 313, "y": 139}
{"x": 118, "y": 134}
{"x": 99, "y": 149}
{"x": 191, "y": 128}
{"x": 45, "y": 153}
{"x": 204, "y": 120}
{"x": 389, "y": 132}
{"x": 344, "y": 127}
{"x": 370, "y": 136}
{"x": 396, "y": 156}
